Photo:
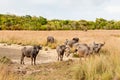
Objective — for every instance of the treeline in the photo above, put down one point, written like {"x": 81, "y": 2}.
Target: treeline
{"x": 27, "y": 22}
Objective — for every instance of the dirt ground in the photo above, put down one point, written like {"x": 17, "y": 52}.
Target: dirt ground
{"x": 14, "y": 53}
{"x": 45, "y": 58}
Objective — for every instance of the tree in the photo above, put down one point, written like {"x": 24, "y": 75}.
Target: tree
{"x": 100, "y": 23}
{"x": 42, "y": 20}
{"x": 83, "y": 25}
{"x": 117, "y": 25}
{"x": 91, "y": 25}
{"x": 27, "y": 22}
{"x": 109, "y": 25}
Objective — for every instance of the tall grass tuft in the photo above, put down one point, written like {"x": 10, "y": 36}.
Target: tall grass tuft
{"x": 103, "y": 67}
{"x": 5, "y": 60}
{"x": 52, "y": 45}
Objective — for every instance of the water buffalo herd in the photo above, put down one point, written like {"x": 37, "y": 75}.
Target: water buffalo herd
{"x": 81, "y": 49}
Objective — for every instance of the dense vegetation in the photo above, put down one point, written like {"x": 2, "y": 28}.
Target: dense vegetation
{"x": 13, "y": 22}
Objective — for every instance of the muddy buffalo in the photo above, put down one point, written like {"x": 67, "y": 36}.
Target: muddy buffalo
{"x": 50, "y": 39}
{"x": 30, "y": 52}
{"x": 70, "y": 43}
{"x": 61, "y": 50}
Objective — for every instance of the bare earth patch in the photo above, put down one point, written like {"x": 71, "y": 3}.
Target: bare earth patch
{"x": 14, "y": 53}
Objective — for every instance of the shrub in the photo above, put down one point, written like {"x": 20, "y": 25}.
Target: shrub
{"x": 43, "y": 27}
{"x": 75, "y": 55}
{"x": 5, "y": 60}
{"x": 52, "y": 45}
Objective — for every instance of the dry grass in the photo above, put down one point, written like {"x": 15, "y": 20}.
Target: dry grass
{"x": 99, "y": 68}
{"x": 34, "y": 37}
{"x": 45, "y": 71}
{"x": 103, "y": 67}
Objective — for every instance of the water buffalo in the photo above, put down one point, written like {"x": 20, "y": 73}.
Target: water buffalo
{"x": 83, "y": 50}
{"x": 61, "y": 49}
{"x": 50, "y": 39}
{"x": 30, "y": 52}
{"x": 77, "y": 45}
{"x": 96, "y": 47}
{"x": 70, "y": 43}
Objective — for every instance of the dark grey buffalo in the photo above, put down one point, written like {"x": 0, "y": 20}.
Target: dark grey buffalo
{"x": 75, "y": 39}
{"x": 30, "y": 52}
{"x": 61, "y": 50}
{"x": 50, "y": 39}
{"x": 70, "y": 43}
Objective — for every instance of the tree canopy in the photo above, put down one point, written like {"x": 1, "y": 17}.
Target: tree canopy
{"x": 28, "y": 22}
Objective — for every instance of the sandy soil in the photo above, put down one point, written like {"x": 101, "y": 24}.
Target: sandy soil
{"x": 14, "y": 53}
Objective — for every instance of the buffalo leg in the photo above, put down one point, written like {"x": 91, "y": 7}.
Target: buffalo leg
{"x": 34, "y": 60}
{"x": 22, "y": 60}
{"x": 61, "y": 57}
{"x": 58, "y": 57}
{"x": 31, "y": 60}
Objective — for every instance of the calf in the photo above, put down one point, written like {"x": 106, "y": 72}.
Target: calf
{"x": 61, "y": 49}
{"x": 30, "y": 52}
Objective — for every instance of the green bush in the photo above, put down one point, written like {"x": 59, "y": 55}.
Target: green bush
{"x": 43, "y": 27}
{"x": 52, "y": 45}
{"x": 13, "y": 22}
